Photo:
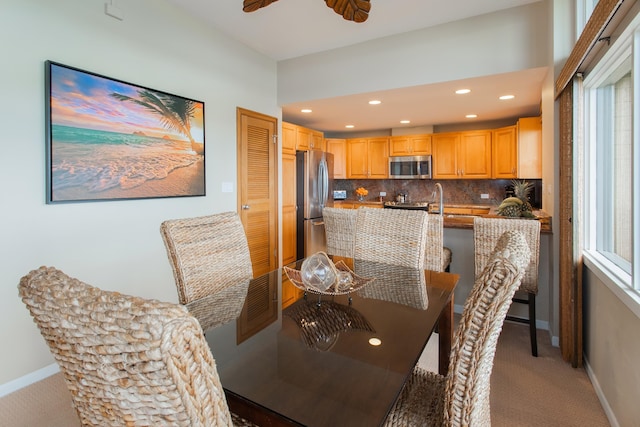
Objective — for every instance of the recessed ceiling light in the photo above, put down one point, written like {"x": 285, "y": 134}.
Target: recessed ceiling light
{"x": 463, "y": 91}
{"x": 306, "y": 110}
{"x": 471, "y": 116}
{"x": 375, "y": 102}
{"x": 375, "y": 341}
{"x": 404, "y": 122}
{"x": 503, "y": 97}
{"x": 349, "y": 126}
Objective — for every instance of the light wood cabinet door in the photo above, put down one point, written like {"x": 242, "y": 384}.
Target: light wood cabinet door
{"x": 288, "y": 138}
{"x": 378, "y": 158}
{"x": 343, "y": 204}
{"x": 475, "y": 154}
{"x": 504, "y": 147}
{"x": 317, "y": 141}
{"x": 421, "y": 145}
{"x": 289, "y": 208}
{"x": 530, "y": 147}
{"x": 400, "y": 146}
{"x": 338, "y": 147}
{"x": 357, "y": 159}
{"x": 411, "y": 145}
{"x": 368, "y": 158}
{"x": 462, "y": 155}
{"x": 445, "y": 157}
{"x": 303, "y": 138}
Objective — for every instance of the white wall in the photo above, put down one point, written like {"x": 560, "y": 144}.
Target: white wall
{"x": 505, "y": 41}
{"x": 115, "y": 245}
{"x": 611, "y": 348}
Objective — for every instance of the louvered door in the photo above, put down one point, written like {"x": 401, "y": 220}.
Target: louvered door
{"x": 258, "y": 190}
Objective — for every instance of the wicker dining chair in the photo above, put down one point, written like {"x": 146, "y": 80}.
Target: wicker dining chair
{"x": 340, "y": 228}
{"x": 461, "y": 398}
{"x": 392, "y": 236}
{"x": 394, "y": 283}
{"x": 126, "y": 360}
{"x": 437, "y": 256}
{"x": 211, "y": 265}
{"x": 486, "y": 232}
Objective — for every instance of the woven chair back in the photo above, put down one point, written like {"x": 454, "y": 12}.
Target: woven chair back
{"x": 434, "y": 252}
{"x": 211, "y": 264}
{"x": 394, "y": 283}
{"x": 126, "y": 360}
{"x": 392, "y": 236}
{"x": 340, "y": 230}
{"x": 471, "y": 361}
{"x": 487, "y": 231}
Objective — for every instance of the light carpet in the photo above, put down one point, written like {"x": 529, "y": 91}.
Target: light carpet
{"x": 525, "y": 390}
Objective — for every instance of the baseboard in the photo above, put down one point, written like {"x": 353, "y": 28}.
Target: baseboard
{"x": 601, "y": 397}
{"x": 29, "y": 379}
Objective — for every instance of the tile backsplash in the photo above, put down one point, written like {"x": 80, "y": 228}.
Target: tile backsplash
{"x": 463, "y": 191}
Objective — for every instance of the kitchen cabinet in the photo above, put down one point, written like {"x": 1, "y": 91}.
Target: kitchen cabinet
{"x": 445, "y": 157}
{"x": 368, "y": 158}
{"x": 462, "y": 155}
{"x": 295, "y": 137}
{"x": 517, "y": 150}
{"x": 289, "y": 233}
{"x": 303, "y": 138}
{"x": 504, "y": 149}
{"x": 289, "y": 138}
{"x": 317, "y": 141}
{"x": 347, "y": 204}
{"x": 343, "y": 204}
{"x": 410, "y": 145}
{"x": 338, "y": 147}
{"x": 529, "y": 130}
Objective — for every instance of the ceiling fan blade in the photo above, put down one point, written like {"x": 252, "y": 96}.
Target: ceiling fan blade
{"x": 252, "y": 5}
{"x": 351, "y": 10}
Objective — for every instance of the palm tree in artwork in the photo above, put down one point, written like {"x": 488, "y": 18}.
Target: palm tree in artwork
{"x": 175, "y": 112}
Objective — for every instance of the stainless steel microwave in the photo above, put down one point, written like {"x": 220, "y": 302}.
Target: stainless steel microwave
{"x": 410, "y": 167}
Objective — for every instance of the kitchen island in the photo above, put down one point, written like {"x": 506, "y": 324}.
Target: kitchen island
{"x": 458, "y": 236}
{"x": 461, "y": 216}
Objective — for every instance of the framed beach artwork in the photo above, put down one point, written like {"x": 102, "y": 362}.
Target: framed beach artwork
{"x": 112, "y": 140}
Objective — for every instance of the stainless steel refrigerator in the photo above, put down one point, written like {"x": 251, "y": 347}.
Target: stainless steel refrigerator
{"x": 314, "y": 191}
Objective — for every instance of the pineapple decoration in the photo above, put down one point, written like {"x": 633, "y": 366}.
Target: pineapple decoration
{"x": 518, "y": 205}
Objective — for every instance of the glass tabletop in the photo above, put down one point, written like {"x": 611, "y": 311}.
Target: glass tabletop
{"x": 328, "y": 360}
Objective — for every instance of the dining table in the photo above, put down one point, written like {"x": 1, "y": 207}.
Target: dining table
{"x": 294, "y": 357}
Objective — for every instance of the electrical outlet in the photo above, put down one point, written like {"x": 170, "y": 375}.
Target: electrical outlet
{"x": 383, "y": 193}
{"x": 484, "y": 196}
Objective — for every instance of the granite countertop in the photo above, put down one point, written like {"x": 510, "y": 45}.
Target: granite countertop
{"x": 458, "y": 215}
{"x": 461, "y": 216}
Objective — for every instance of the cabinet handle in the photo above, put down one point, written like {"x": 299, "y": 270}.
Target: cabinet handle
{"x": 245, "y": 207}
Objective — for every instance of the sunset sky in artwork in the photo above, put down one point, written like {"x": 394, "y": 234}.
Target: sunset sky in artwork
{"x": 84, "y": 100}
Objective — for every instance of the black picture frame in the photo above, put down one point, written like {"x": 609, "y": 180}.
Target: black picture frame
{"x": 108, "y": 139}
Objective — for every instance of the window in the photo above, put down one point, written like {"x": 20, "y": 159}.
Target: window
{"x": 611, "y": 90}
{"x": 613, "y": 163}
{"x": 584, "y": 10}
